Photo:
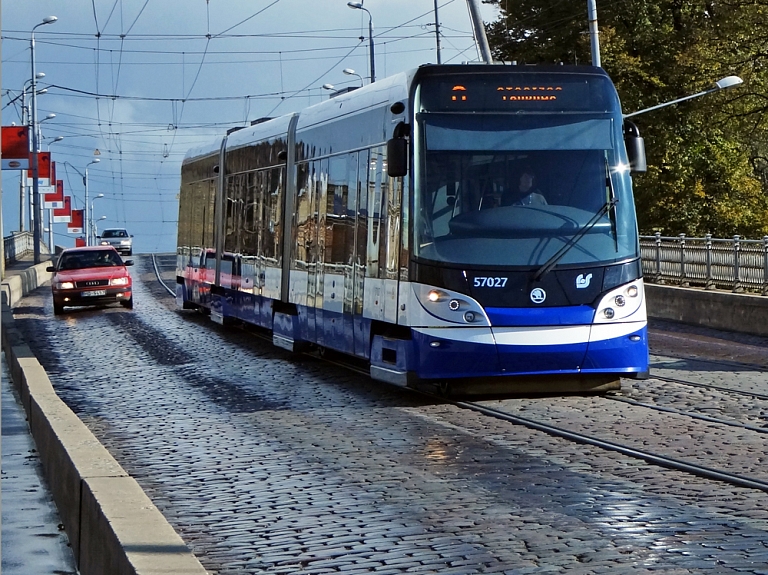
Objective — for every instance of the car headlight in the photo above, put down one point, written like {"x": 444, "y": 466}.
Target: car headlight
{"x": 104, "y": 243}
{"x": 119, "y": 281}
{"x": 65, "y": 285}
{"x": 125, "y": 242}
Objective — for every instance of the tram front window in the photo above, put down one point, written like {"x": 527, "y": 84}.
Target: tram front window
{"x": 515, "y": 206}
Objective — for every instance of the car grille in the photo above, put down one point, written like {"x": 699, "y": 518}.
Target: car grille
{"x": 91, "y": 283}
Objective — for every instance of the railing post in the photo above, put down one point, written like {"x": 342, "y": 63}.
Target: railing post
{"x": 658, "y": 258}
{"x": 708, "y": 247}
{"x": 736, "y": 265}
{"x": 683, "y": 283}
{"x": 765, "y": 265}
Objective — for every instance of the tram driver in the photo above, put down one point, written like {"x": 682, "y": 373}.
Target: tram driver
{"x": 526, "y": 194}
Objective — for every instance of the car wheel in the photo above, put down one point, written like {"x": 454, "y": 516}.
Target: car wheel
{"x": 58, "y": 309}
{"x": 127, "y": 303}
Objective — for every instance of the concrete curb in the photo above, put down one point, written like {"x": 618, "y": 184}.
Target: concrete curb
{"x": 742, "y": 313}
{"x": 112, "y": 525}
{"x": 18, "y": 285}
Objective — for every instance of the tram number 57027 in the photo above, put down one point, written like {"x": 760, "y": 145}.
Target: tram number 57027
{"x": 490, "y": 282}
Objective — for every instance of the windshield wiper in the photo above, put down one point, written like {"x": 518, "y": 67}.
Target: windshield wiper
{"x": 552, "y": 262}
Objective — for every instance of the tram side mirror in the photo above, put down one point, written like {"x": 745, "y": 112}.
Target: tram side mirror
{"x": 635, "y": 148}
{"x": 397, "y": 157}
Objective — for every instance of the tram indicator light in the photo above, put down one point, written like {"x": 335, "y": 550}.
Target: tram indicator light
{"x": 458, "y": 97}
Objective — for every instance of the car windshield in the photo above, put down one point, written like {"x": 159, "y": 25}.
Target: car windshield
{"x": 114, "y": 234}
{"x": 90, "y": 259}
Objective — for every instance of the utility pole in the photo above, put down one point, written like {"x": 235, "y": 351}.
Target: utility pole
{"x": 437, "y": 34}
{"x": 481, "y": 39}
{"x": 594, "y": 39}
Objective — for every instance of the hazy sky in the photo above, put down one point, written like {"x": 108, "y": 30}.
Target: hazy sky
{"x": 142, "y": 81}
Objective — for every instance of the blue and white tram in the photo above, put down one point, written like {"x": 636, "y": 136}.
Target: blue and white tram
{"x": 386, "y": 223}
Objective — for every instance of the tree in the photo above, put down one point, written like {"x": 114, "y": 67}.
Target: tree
{"x": 708, "y": 157}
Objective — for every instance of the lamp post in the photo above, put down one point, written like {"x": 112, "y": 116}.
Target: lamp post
{"x": 85, "y": 183}
{"x": 95, "y": 230}
{"x": 50, "y": 212}
{"x": 35, "y": 186}
{"x": 87, "y": 222}
{"x": 359, "y": 6}
{"x": 351, "y": 72}
{"x": 28, "y": 122}
{"x": 93, "y": 224}
{"x": 722, "y": 84}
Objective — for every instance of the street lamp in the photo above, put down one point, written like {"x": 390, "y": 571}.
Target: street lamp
{"x": 87, "y": 222}
{"x": 93, "y": 224}
{"x": 359, "y": 6}
{"x": 727, "y": 82}
{"x": 85, "y": 183}
{"x": 95, "y": 230}
{"x": 351, "y": 72}
{"x": 25, "y": 173}
{"x": 56, "y": 139}
{"x": 35, "y": 185}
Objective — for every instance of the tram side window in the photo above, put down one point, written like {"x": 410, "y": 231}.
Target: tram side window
{"x": 336, "y": 202}
{"x": 271, "y": 184}
{"x": 208, "y": 202}
{"x": 361, "y": 256}
{"x": 302, "y": 234}
{"x": 250, "y": 216}
{"x": 236, "y": 186}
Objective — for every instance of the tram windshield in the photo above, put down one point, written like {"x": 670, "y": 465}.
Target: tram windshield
{"x": 512, "y": 190}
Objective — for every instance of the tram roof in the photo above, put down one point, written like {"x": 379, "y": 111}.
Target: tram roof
{"x": 393, "y": 88}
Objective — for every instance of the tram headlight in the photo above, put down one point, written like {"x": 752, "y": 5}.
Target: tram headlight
{"x": 438, "y": 305}
{"x": 622, "y": 303}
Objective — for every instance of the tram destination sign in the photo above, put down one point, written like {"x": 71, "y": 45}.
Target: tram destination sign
{"x": 517, "y": 92}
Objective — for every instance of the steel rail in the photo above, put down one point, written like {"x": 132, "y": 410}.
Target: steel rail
{"x": 711, "y": 386}
{"x": 660, "y": 460}
{"x": 689, "y": 414}
{"x": 157, "y": 273}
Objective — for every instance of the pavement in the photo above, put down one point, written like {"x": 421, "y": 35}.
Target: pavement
{"x": 33, "y": 540}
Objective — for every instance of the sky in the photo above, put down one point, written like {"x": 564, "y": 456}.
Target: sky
{"x": 136, "y": 83}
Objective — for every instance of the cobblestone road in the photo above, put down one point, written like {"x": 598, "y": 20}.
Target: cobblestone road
{"x": 266, "y": 463}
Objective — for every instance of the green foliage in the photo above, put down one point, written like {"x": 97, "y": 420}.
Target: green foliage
{"x": 707, "y": 157}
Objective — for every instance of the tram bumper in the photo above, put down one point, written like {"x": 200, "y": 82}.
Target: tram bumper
{"x": 452, "y": 353}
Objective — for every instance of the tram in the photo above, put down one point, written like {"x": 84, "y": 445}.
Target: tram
{"x": 389, "y": 223}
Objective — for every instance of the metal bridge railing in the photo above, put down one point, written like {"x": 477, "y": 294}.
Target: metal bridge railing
{"x": 712, "y": 263}
{"x": 17, "y": 245}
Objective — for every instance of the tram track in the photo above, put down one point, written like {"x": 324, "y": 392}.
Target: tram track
{"x": 581, "y": 438}
{"x": 648, "y": 456}
{"x": 740, "y": 392}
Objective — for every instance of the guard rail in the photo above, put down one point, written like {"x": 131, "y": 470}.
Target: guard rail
{"x": 734, "y": 264}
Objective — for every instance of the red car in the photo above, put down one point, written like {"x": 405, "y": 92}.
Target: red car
{"x": 90, "y": 276}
